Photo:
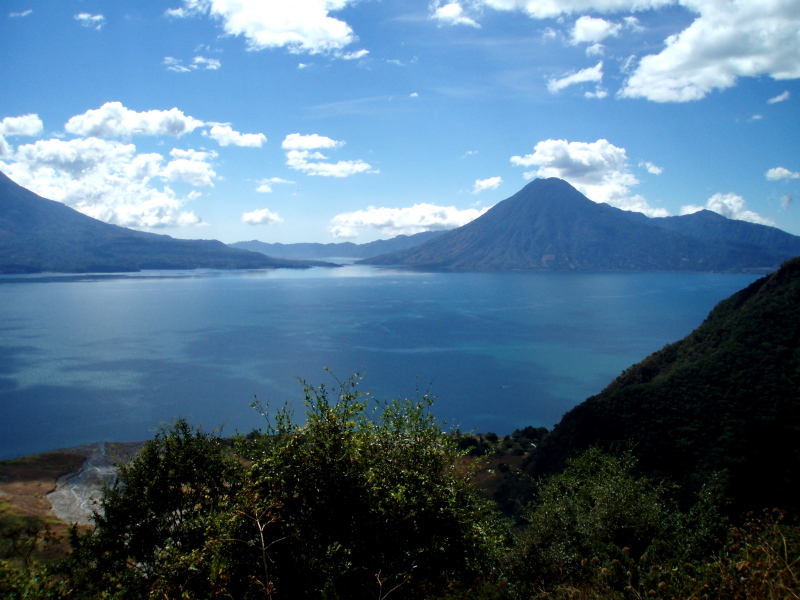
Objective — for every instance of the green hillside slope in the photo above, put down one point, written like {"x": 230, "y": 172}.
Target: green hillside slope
{"x": 725, "y": 398}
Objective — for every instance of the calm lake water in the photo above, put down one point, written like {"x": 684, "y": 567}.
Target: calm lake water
{"x": 93, "y": 358}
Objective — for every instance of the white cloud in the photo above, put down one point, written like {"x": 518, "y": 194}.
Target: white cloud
{"x": 175, "y": 65}
{"x": 591, "y": 74}
{"x": 298, "y": 25}
{"x": 226, "y": 136}
{"x": 296, "y": 141}
{"x": 299, "y": 156}
{"x": 352, "y": 55}
{"x": 265, "y": 185}
{"x": 110, "y": 181}
{"x": 599, "y": 170}
{"x": 114, "y": 120}
{"x": 728, "y": 40}
{"x": 633, "y": 23}
{"x": 786, "y": 201}
{"x": 731, "y": 206}
{"x": 29, "y": 125}
{"x": 23, "y": 13}
{"x": 651, "y": 168}
{"x": 589, "y": 30}
{"x": 492, "y": 183}
{"x": 781, "y": 173}
{"x": 779, "y": 98}
{"x": 198, "y": 63}
{"x": 207, "y": 64}
{"x": 311, "y": 163}
{"x": 191, "y": 167}
{"x": 451, "y": 13}
{"x": 91, "y": 21}
{"x": 595, "y": 50}
{"x": 262, "y": 216}
{"x": 547, "y": 9}
{"x": 397, "y": 221}
{"x": 5, "y": 149}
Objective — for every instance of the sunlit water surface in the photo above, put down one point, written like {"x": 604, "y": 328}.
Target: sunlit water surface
{"x": 94, "y": 358}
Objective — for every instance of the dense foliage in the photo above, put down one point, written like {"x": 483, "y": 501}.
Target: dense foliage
{"x": 725, "y": 399}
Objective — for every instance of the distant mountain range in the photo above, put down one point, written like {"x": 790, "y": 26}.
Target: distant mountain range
{"x": 39, "y": 235}
{"x": 724, "y": 402}
{"x": 549, "y": 225}
{"x": 338, "y": 250}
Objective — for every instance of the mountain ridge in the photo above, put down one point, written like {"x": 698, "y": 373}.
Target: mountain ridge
{"x": 40, "y": 235}
{"x": 549, "y": 225}
{"x": 337, "y": 250}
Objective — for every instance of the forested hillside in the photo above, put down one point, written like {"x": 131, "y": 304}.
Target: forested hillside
{"x": 725, "y": 399}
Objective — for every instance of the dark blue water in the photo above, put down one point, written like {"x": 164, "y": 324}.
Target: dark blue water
{"x": 87, "y": 359}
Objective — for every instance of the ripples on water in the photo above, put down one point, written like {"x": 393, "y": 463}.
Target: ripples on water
{"x": 92, "y": 358}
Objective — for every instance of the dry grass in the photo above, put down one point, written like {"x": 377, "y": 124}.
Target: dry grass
{"x": 24, "y": 485}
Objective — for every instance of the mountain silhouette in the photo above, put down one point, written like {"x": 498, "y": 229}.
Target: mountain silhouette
{"x": 337, "y": 250}
{"x": 39, "y": 235}
{"x": 549, "y": 225}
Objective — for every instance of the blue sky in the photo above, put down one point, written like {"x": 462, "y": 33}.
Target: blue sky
{"x": 336, "y": 120}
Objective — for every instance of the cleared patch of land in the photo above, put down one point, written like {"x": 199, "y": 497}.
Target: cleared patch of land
{"x": 56, "y": 489}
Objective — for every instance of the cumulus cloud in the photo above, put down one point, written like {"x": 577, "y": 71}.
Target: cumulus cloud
{"x": 23, "y": 13}
{"x": 397, "y": 221}
{"x": 298, "y": 25}
{"x": 191, "y": 167}
{"x": 451, "y": 13}
{"x": 779, "y": 173}
{"x": 114, "y": 120}
{"x": 590, "y": 30}
{"x": 590, "y": 75}
{"x": 91, "y": 21}
{"x": 261, "y": 216}
{"x": 731, "y": 206}
{"x": 779, "y": 98}
{"x": 302, "y": 155}
{"x": 226, "y": 136}
{"x": 296, "y": 141}
{"x": 599, "y": 170}
{"x": 30, "y": 125}
{"x": 492, "y": 183}
{"x": 728, "y": 40}
{"x": 110, "y": 181}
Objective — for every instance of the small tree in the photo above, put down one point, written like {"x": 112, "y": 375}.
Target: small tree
{"x": 596, "y": 509}
{"x": 366, "y": 499}
{"x": 165, "y": 503}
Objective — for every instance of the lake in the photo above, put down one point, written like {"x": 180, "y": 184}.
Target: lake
{"x": 109, "y": 357}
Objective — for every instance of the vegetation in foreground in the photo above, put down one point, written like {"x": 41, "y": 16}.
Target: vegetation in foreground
{"x": 640, "y": 492}
{"x": 373, "y": 500}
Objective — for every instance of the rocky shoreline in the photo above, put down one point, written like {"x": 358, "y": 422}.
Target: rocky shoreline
{"x": 76, "y": 496}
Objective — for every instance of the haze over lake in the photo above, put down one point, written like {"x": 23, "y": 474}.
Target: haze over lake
{"x": 92, "y": 358}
